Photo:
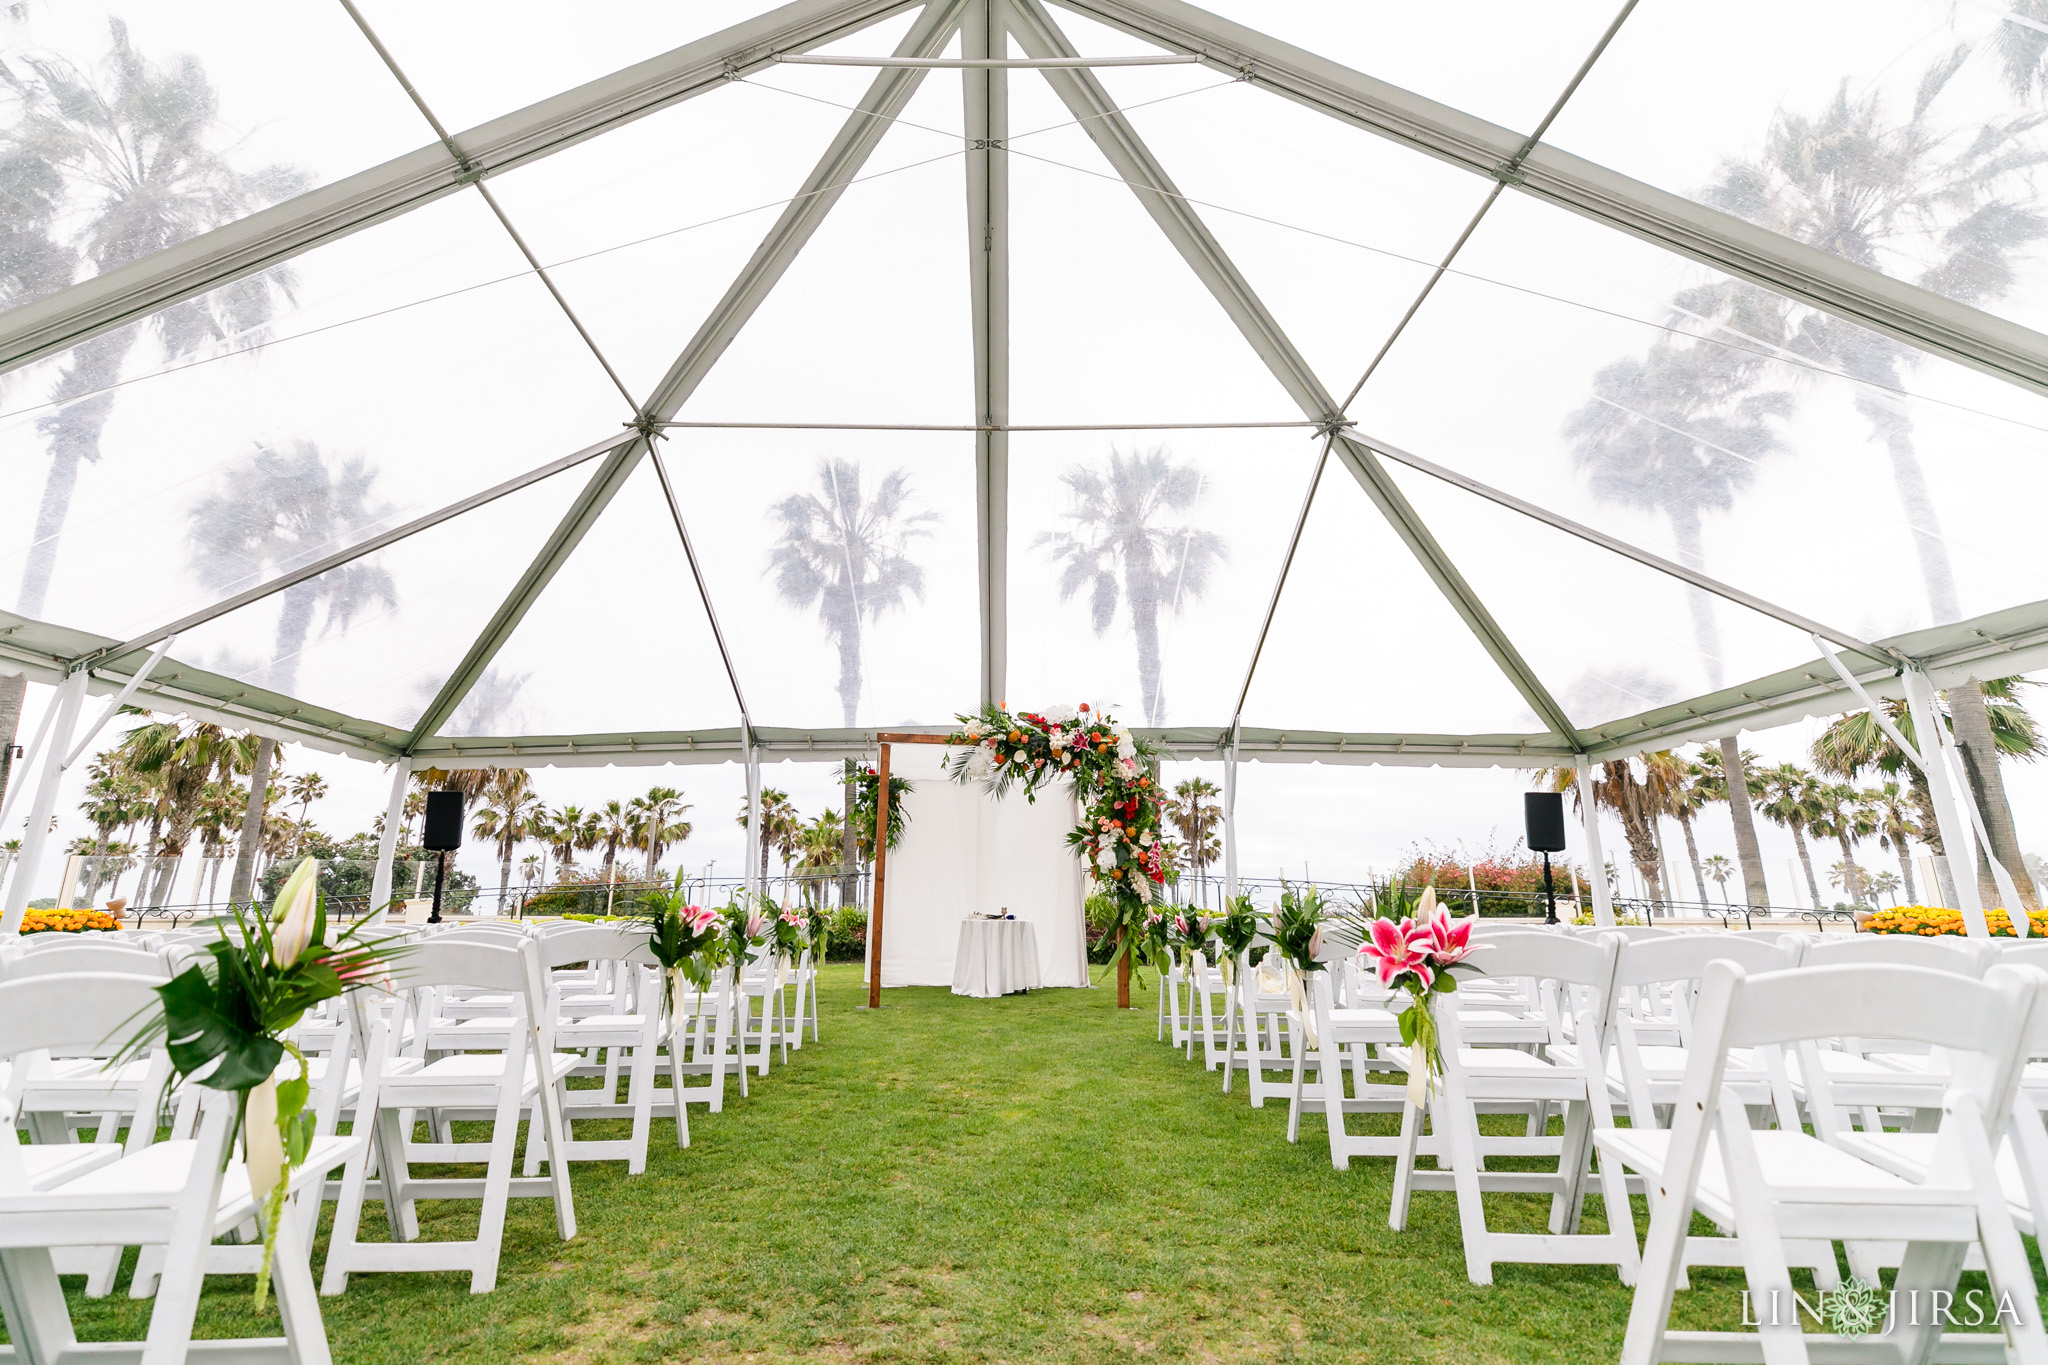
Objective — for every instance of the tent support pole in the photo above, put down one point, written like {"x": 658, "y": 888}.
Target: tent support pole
{"x": 387, "y": 843}
{"x": 1596, "y": 861}
{"x": 881, "y": 869}
{"x": 1956, "y": 835}
{"x": 69, "y": 699}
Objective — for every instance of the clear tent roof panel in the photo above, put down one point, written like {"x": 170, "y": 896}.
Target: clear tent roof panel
{"x": 301, "y": 101}
{"x": 892, "y": 634}
{"x": 1336, "y": 229}
{"x": 643, "y": 228}
{"x": 1362, "y": 640}
{"x": 1107, "y": 322}
{"x": 416, "y": 363}
{"x": 1819, "y": 117}
{"x": 1788, "y": 481}
{"x": 1606, "y": 636}
{"x": 618, "y": 641}
{"x": 378, "y": 637}
{"x": 1201, "y": 583}
{"x": 870, "y": 322}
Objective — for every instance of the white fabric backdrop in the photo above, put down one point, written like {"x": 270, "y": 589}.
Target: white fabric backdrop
{"x": 963, "y": 852}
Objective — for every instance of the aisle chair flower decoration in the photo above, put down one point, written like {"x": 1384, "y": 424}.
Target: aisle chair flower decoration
{"x": 1112, "y": 771}
{"x": 682, "y": 935}
{"x": 1235, "y": 930}
{"x": 1298, "y": 939}
{"x": 224, "y": 1021}
{"x": 1418, "y": 954}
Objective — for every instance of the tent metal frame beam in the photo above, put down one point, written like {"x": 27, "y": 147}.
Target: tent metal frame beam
{"x": 1127, "y": 153}
{"x": 984, "y": 37}
{"x": 1869, "y": 298}
{"x": 274, "y": 235}
{"x": 990, "y": 63}
{"x": 848, "y": 152}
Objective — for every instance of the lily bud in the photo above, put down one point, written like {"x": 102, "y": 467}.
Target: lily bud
{"x": 293, "y": 913}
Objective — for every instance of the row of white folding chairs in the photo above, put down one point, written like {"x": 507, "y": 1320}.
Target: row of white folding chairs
{"x": 1899, "y": 1074}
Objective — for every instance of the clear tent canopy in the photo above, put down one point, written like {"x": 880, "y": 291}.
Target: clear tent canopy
{"x": 1400, "y": 384}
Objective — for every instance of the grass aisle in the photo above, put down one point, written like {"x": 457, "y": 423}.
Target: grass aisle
{"x": 1027, "y": 1179}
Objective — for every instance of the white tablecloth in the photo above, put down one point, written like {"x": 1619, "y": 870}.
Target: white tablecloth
{"x": 996, "y": 957}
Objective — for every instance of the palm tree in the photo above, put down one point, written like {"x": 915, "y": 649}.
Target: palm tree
{"x": 1691, "y": 792}
{"x": 615, "y": 830}
{"x": 821, "y": 845}
{"x": 507, "y": 816}
{"x": 1118, "y": 546}
{"x": 1637, "y": 799}
{"x": 1839, "y": 812}
{"x": 142, "y": 152}
{"x": 845, "y": 550}
{"x": 1195, "y": 813}
{"x": 659, "y": 823}
{"x": 184, "y": 756}
{"x": 1719, "y": 870}
{"x": 1856, "y": 181}
{"x": 780, "y": 829}
{"x": 567, "y": 832}
{"x": 1885, "y": 884}
{"x": 306, "y": 789}
{"x": 1895, "y": 825}
{"x": 1854, "y": 743}
{"x": 1791, "y": 801}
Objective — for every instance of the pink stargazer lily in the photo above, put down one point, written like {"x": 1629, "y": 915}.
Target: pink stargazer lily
{"x": 1396, "y": 950}
{"x": 1450, "y": 940}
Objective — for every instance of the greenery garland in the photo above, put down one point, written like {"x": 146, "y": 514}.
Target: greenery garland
{"x": 867, "y": 795}
{"x": 1113, "y": 774}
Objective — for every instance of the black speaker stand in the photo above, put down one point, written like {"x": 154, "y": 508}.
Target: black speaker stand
{"x": 441, "y": 872}
{"x": 1549, "y": 894}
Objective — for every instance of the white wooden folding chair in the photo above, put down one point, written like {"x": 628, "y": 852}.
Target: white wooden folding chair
{"x": 1208, "y": 1007}
{"x": 624, "y": 1021}
{"x": 1579, "y": 974}
{"x": 60, "y": 1097}
{"x": 1649, "y": 1053}
{"x": 504, "y": 1072}
{"x": 1783, "y": 1185}
{"x": 1353, "y": 1037}
{"x": 1173, "y": 1020}
{"x": 177, "y": 1194}
{"x": 1258, "y": 1036}
{"x": 803, "y": 983}
{"x": 699, "y": 1041}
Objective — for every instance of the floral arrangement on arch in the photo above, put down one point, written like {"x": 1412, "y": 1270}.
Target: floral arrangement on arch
{"x": 867, "y": 798}
{"x": 1118, "y": 839}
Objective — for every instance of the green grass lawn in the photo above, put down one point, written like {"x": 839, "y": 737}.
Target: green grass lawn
{"x": 1026, "y": 1179}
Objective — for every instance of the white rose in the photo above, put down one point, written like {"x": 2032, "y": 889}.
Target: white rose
{"x": 1145, "y": 840}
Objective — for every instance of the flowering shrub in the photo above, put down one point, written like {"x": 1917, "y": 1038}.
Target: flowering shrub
{"x": 1513, "y": 876}
{"x": 67, "y": 921}
{"x": 1933, "y": 921}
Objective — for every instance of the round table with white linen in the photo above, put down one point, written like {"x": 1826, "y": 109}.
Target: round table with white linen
{"x": 996, "y": 957}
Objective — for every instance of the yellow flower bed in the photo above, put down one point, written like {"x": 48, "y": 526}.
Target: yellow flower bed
{"x": 66, "y": 921}
{"x": 1933, "y": 921}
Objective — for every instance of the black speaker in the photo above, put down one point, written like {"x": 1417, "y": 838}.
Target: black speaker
{"x": 1542, "y": 815}
{"x": 443, "y": 833}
